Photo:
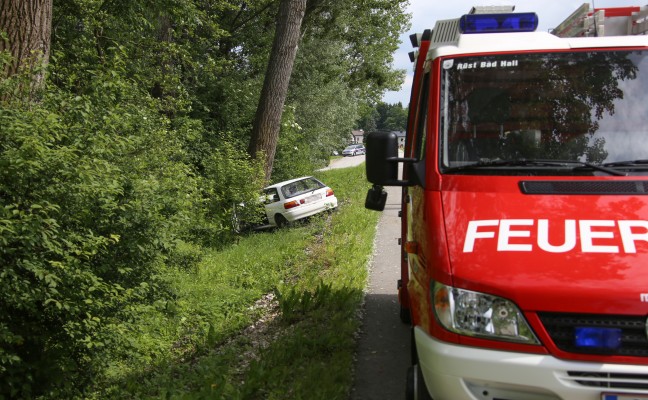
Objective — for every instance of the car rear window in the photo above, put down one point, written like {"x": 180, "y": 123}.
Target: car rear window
{"x": 300, "y": 187}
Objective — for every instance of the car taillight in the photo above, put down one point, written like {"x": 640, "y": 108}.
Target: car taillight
{"x": 291, "y": 204}
{"x": 329, "y": 192}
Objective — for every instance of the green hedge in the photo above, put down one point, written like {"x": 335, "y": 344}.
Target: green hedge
{"x": 97, "y": 194}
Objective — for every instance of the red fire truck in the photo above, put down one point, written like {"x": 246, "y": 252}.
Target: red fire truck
{"x": 524, "y": 207}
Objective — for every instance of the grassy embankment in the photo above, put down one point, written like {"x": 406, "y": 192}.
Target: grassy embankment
{"x": 273, "y": 317}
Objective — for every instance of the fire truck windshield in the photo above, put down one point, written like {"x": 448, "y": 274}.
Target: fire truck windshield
{"x": 582, "y": 108}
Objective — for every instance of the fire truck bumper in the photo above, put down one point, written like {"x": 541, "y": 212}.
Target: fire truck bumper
{"x": 453, "y": 372}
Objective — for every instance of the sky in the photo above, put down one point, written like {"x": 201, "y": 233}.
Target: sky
{"x": 426, "y": 12}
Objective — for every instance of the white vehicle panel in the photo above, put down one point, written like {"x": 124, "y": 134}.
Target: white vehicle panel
{"x": 454, "y": 372}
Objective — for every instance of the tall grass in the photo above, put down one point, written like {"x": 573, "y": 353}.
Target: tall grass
{"x": 272, "y": 317}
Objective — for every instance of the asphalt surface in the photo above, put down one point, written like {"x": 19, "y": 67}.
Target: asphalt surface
{"x": 344, "y": 162}
{"x": 383, "y": 352}
{"x": 383, "y": 349}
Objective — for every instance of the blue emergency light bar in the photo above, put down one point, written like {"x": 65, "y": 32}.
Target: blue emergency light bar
{"x": 498, "y": 23}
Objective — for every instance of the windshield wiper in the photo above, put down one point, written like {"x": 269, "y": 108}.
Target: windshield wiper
{"x": 523, "y": 162}
{"x": 628, "y": 163}
{"x": 599, "y": 167}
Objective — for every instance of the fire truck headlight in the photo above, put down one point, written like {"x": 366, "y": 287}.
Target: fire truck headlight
{"x": 481, "y": 315}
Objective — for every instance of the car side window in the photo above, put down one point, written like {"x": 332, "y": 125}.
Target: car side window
{"x": 271, "y": 195}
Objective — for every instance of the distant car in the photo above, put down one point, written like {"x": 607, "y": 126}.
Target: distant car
{"x": 353, "y": 150}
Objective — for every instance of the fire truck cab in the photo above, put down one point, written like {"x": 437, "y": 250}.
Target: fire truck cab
{"x": 524, "y": 207}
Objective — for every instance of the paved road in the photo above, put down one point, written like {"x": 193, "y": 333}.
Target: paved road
{"x": 344, "y": 162}
{"x": 383, "y": 352}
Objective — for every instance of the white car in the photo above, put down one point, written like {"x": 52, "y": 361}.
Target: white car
{"x": 296, "y": 199}
{"x": 353, "y": 150}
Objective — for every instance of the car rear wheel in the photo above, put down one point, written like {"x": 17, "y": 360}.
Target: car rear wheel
{"x": 281, "y": 221}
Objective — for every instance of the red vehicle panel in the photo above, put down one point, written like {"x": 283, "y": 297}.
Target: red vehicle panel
{"x": 524, "y": 207}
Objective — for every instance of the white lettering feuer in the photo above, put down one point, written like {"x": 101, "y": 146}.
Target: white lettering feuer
{"x": 588, "y": 236}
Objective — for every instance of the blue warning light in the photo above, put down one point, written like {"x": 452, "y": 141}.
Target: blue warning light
{"x": 498, "y": 23}
{"x": 597, "y": 338}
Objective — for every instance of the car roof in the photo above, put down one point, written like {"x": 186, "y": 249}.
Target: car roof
{"x": 276, "y": 185}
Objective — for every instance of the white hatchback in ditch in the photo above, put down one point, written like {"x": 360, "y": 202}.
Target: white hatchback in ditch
{"x": 295, "y": 199}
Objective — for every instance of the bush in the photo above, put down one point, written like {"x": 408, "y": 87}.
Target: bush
{"x": 230, "y": 178}
{"x": 90, "y": 199}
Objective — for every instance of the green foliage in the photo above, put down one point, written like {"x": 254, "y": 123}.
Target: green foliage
{"x": 118, "y": 179}
{"x": 294, "y": 156}
{"x": 248, "y": 320}
{"x": 190, "y": 345}
{"x": 229, "y": 179}
{"x": 319, "y": 305}
{"x": 391, "y": 117}
{"x": 91, "y": 199}
{"x": 318, "y": 351}
{"x": 337, "y": 73}
{"x": 368, "y": 33}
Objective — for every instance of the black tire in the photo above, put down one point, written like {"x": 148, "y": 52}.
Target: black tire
{"x": 405, "y": 315}
{"x": 281, "y": 221}
{"x": 413, "y": 352}
{"x": 416, "y": 389}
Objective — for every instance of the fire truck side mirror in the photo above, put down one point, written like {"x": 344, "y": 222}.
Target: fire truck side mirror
{"x": 382, "y": 153}
{"x": 382, "y": 163}
{"x": 376, "y": 198}
{"x": 382, "y": 160}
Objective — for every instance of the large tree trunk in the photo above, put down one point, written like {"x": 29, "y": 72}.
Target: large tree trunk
{"x": 28, "y": 25}
{"x": 267, "y": 122}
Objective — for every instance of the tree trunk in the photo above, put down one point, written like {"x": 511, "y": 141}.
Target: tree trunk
{"x": 28, "y": 26}
{"x": 267, "y": 122}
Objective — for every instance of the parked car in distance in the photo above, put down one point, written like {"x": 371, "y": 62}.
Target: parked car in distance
{"x": 354, "y": 150}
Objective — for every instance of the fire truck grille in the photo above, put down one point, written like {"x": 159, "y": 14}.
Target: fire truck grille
{"x": 562, "y": 330}
{"x": 608, "y": 380}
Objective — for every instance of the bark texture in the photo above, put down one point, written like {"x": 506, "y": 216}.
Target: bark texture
{"x": 267, "y": 122}
{"x": 28, "y": 26}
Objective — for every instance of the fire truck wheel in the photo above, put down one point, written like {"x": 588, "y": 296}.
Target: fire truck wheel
{"x": 405, "y": 316}
{"x": 413, "y": 352}
{"x": 416, "y": 389}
